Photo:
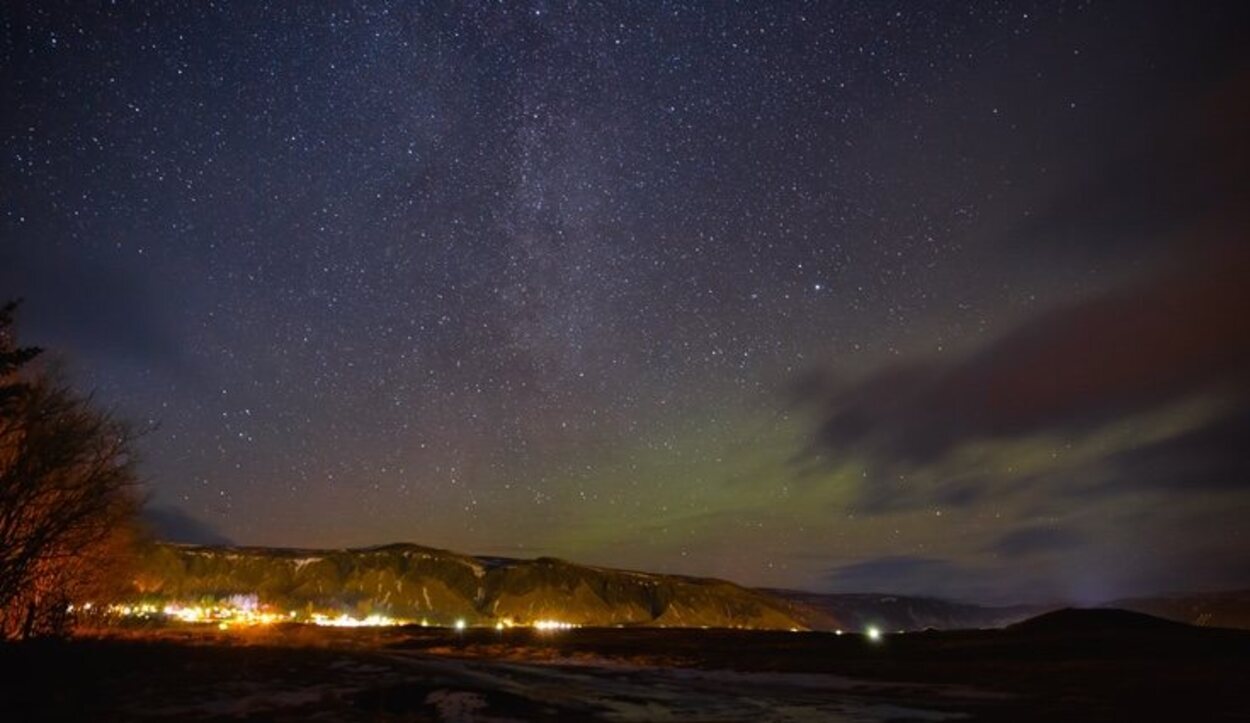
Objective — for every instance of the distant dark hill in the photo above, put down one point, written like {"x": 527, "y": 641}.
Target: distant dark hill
{"x": 857, "y": 611}
{"x": 439, "y": 586}
{"x": 1095, "y": 620}
{"x": 1226, "y": 609}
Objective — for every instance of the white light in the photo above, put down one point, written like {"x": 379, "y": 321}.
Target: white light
{"x": 460, "y": 624}
{"x": 346, "y": 621}
{"x": 249, "y": 615}
{"x": 874, "y": 633}
{"x": 553, "y": 625}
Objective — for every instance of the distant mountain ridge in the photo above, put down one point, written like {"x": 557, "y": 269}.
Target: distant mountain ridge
{"x": 418, "y": 583}
{"x": 440, "y": 587}
{"x": 857, "y": 611}
{"x": 1103, "y": 620}
{"x": 1221, "y": 609}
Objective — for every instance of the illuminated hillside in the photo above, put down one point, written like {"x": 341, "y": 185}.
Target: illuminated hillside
{"x": 417, "y": 583}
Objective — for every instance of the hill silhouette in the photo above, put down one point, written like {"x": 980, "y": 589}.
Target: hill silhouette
{"x": 1095, "y": 620}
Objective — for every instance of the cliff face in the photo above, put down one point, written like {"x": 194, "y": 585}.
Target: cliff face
{"x": 421, "y": 583}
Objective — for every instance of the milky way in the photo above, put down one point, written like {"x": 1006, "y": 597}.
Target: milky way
{"x": 759, "y": 290}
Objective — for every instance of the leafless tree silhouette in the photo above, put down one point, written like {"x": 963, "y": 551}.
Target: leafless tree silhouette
{"x": 68, "y": 498}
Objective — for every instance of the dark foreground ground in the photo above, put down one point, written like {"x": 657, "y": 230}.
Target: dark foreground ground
{"x": 1056, "y": 671}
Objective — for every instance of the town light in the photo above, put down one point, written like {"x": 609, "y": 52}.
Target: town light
{"x": 553, "y": 625}
{"x": 230, "y": 613}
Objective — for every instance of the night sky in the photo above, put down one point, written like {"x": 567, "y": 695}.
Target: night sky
{"x": 911, "y": 297}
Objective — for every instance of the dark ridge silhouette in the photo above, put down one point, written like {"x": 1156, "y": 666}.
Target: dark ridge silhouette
{"x": 1217, "y": 609}
{"x": 857, "y": 611}
{"x": 1096, "y": 620}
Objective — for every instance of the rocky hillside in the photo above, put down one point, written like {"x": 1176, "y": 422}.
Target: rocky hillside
{"x": 421, "y": 583}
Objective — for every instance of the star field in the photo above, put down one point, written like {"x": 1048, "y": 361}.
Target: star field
{"x": 612, "y": 282}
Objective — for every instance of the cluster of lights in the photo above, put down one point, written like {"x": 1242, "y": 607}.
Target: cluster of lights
{"x": 245, "y": 611}
{"x": 226, "y": 616}
{"x": 552, "y": 625}
{"x": 460, "y": 625}
{"x": 250, "y": 614}
{"x": 344, "y": 621}
{"x": 872, "y": 632}
{"x": 506, "y": 623}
